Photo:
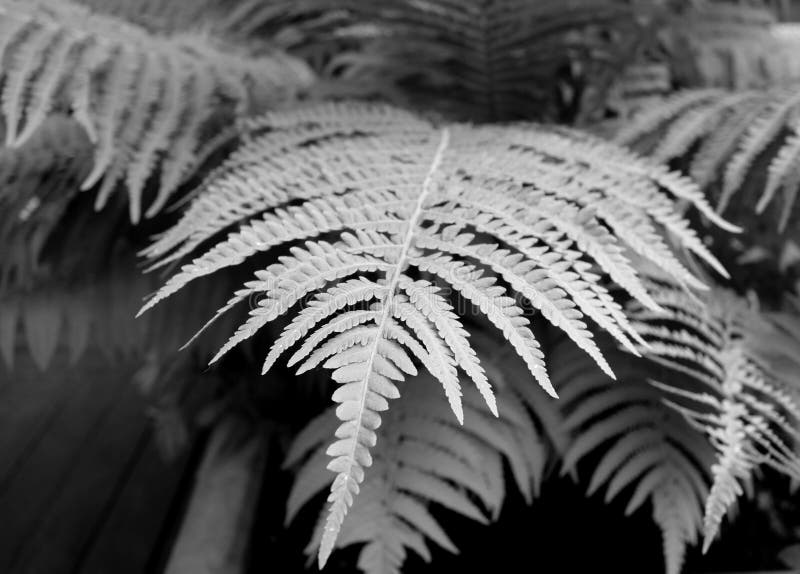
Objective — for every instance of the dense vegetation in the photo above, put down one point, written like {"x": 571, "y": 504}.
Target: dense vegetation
{"x": 517, "y": 243}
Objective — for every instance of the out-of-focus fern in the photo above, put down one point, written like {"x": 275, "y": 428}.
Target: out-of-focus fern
{"x": 497, "y": 59}
{"x": 727, "y": 45}
{"x": 724, "y": 138}
{"x": 377, "y": 195}
{"x": 38, "y": 180}
{"x": 146, "y": 101}
{"x": 166, "y": 16}
{"x": 423, "y": 459}
{"x": 649, "y": 452}
{"x": 726, "y": 385}
{"x": 95, "y": 310}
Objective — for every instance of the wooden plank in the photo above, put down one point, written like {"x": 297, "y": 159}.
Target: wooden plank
{"x": 129, "y": 534}
{"x": 89, "y": 486}
{"x": 36, "y": 484}
{"x": 29, "y": 403}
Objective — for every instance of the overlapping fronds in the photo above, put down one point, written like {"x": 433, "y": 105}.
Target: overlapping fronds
{"x": 726, "y": 385}
{"x": 149, "y": 103}
{"x": 498, "y": 59}
{"x": 647, "y": 451}
{"x": 731, "y": 141}
{"x": 422, "y": 460}
{"x": 365, "y": 197}
{"x": 729, "y": 45}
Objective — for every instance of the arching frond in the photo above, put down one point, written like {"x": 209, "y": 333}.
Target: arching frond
{"x": 499, "y": 216}
{"x": 422, "y": 460}
{"x": 146, "y": 101}
{"x": 647, "y": 450}
{"x": 731, "y": 141}
{"x": 720, "y": 378}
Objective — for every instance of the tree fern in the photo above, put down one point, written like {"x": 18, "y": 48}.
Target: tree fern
{"x": 146, "y": 101}
{"x": 422, "y": 459}
{"x": 648, "y": 451}
{"x": 392, "y": 194}
{"x": 724, "y": 137}
{"x": 725, "y": 385}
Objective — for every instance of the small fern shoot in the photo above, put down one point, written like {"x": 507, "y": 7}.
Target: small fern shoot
{"x": 725, "y": 385}
{"x": 146, "y": 101}
{"x": 367, "y": 196}
{"x": 422, "y": 457}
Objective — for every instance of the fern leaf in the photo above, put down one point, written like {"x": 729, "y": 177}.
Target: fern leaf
{"x": 692, "y": 125}
{"x": 647, "y": 450}
{"x": 725, "y": 139}
{"x": 655, "y": 117}
{"x": 421, "y": 460}
{"x": 780, "y": 170}
{"x": 755, "y": 141}
{"x": 59, "y": 56}
{"x": 724, "y": 386}
{"x": 323, "y": 306}
{"x": 434, "y": 307}
{"x": 383, "y": 186}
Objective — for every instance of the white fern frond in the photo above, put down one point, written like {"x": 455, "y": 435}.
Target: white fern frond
{"x": 146, "y": 100}
{"x": 385, "y": 187}
{"x": 724, "y": 384}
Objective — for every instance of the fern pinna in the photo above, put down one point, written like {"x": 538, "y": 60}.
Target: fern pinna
{"x": 146, "y": 101}
{"x": 726, "y": 371}
{"x": 422, "y": 456}
{"x": 502, "y": 216}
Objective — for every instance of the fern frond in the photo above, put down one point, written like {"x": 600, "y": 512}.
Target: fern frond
{"x": 392, "y": 196}
{"x": 648, "y": 451}
{"x": 724, "y": 384}
{"x": 146, "y": 100}
{"x": 422, "y": 461}
{"x": 729, "y": 140}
